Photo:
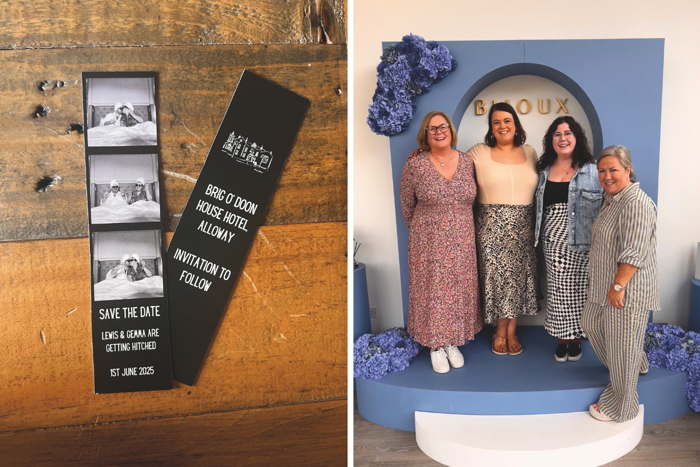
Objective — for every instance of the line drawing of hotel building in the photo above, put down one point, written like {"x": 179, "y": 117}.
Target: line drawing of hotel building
{"x": 251, "y": 154}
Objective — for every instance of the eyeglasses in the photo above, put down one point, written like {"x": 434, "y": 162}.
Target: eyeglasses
{"x": 433, "y": 129}
{"x": 139, "y": 184}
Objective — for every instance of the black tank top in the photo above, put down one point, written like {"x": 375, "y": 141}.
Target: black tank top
{"x": 556, "y": 192}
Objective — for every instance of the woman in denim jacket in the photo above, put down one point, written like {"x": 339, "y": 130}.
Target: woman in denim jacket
{"x": 568, "y": 198}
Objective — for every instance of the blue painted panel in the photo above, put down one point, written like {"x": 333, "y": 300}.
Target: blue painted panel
{"x": 361, "y": 319}
{"x": 621, "y": 78}
{"x": 694, "y": 322}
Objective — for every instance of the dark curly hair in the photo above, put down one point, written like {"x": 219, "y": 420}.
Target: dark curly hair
{"x": 582, "y": 152}
{"x": 520, "y": 136}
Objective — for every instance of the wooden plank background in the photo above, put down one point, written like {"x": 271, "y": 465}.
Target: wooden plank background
{"x": 195, "y": 84}
{"x": 273, "y": 389}
{"x": 92, "y": 23}
{"x": 289, "y": 435}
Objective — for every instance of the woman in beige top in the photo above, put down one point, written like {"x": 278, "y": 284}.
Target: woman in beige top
{"x": 505, "y": 218}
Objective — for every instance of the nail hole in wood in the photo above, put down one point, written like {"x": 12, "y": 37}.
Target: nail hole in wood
{"x": 41, "y": 111}
{"x": 46, "y": 182}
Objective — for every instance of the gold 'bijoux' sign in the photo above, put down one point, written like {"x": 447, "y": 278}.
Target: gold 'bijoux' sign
{"x": 523, "y": 106}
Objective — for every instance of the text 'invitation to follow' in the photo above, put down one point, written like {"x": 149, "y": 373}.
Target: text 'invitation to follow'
{"x": 224, "y": 211}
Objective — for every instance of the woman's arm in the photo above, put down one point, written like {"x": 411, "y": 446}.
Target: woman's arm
{"x": 109, "y": 119}
{"x": 147, "y": 271}
{"x": 624, "y": 275}
{"x": 635, "y": 225}
{"x": 112, "y": 274}
{"x": 148, "y": 193}
{"x": 407, "y": 193}
{"x": 134, "y": 115}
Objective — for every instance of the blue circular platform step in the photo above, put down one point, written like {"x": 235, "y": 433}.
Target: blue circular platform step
{"x": 529, "y": 383}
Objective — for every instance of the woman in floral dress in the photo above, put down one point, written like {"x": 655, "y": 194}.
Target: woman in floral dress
{"x": 438, "y": 190}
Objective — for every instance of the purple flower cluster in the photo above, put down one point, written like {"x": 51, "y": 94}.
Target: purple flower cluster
{"x": 406, "y": 71}
{"x": 375, "y": 356}
{"x": 670, "y": 347}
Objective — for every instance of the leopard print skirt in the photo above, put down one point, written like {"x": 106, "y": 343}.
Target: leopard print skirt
{"x": 505, "y": 238}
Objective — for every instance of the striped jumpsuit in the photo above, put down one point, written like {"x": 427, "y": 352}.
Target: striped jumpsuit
{"x": 624, "y": 232}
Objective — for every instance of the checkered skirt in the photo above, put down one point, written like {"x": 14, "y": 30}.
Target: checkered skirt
{"x": 567, "y": 276}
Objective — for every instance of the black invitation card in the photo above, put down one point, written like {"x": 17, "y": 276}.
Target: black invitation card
{"x": 130, "y": 325}
{"x": 224, "y": 211}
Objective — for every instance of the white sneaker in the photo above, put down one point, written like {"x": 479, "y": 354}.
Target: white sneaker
{"x": 454, "y": 356}
{"x": 439, "y": 359}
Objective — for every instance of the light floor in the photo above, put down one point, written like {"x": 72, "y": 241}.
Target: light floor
{"x": 674, "y": 443}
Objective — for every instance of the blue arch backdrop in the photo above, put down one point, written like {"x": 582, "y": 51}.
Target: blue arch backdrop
{"x": 618, "y": 82}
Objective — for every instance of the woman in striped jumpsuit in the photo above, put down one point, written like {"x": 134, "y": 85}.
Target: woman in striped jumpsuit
{"x": 624, "y": 284}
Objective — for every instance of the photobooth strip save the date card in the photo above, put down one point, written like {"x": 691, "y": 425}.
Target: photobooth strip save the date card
{"x": 224, "y": 211}
{"x": 130, "y": 326}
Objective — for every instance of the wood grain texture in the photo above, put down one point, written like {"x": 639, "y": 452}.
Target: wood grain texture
{"x": 331, "y": 14}
{"x": 282, "y": 340}
{"x": 305, "y": 435}
{"x": 93, "y": 23}
{"x": 195, "y": 85}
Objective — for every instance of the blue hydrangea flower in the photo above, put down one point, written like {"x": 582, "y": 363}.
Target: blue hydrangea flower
{"x": 406, "y": 71}
{"x": 673, "y": 330}
{"x": 691, "y": 342}
{"x": 375, "y": 356}
{"x": 692, "y": 391}
{"x": 678, "y": 360}
{"x": 694, "y": 366}
{"x": 652, "y": 340}
{"x": 670, "y": 342}
{"x": 657, "y": 358}
{"x": 670, "y": 347}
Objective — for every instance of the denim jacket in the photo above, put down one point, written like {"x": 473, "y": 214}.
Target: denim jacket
{"x": 585, "y": 200}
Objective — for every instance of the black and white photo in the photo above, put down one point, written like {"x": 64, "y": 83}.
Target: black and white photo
{"x": 127, "y": 265}
{"x": 124, "y": 188}
{"x": 121, "y": 111}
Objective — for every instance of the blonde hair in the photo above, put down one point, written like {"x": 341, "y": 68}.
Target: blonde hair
{"x": 623, "y": 155}
{"x": 422, "y": 137}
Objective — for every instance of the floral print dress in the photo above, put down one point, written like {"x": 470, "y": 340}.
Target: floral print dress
{"x": 443, "y": 303}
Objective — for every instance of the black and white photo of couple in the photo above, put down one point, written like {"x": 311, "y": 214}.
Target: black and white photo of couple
{"x": 121, "y": 112}
{"x": 124, "y": 188}
{"x": 127, "y": 265}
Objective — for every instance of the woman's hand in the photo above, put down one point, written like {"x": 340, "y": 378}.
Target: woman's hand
{"x": 624, "y": 275}
{"x": 616, "y": 299}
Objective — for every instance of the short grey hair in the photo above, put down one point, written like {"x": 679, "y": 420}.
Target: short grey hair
{"x": 623, "y": 155}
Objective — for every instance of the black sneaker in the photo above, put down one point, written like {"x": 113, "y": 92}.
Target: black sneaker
{"x": 561, "y": 354}
{"x": 574, "y": 352}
